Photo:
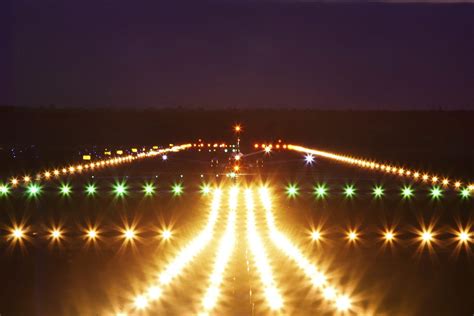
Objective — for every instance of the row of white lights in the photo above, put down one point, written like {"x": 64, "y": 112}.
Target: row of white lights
{"x": 384, "y": 167}
{"x": 99, "y": 164}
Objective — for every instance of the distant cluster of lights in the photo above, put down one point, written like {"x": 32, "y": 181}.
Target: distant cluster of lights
{"x": 386, "y": 168}
{"x": 407, "y": 192}
{"x": 268, "y": 147}
{"x": 96, "y": 165}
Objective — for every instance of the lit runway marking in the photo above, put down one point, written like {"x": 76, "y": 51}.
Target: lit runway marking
{"x": 224, "y": 252}
{"x": 184, "y": 257}
{"x": 271, "y": 291}
{"x": 318, "y": 279}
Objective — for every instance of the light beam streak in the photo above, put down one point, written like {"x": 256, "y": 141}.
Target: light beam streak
{"x": 224, "y": 252}
{"x": 271, "y": 291}
{"x": 341, "y": 301}
{"x": 183, "y": 259}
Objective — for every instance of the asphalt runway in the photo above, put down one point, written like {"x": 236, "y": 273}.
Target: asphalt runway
{"x": 72, "y": 277}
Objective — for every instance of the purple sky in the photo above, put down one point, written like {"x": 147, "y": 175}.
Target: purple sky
{"x": 224, "y": 54}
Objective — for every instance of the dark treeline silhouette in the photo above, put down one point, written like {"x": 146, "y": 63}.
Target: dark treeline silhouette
{"x": 427, "y": 139}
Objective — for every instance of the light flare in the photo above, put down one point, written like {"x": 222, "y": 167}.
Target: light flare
{"x": 318, "y": 279}
{"x": 186, "y": 255}
{"x": 224, "y": 252}
{"x": 260, "y": 259}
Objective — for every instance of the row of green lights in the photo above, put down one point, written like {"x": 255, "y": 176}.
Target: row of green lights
{"x": 120, "y": 189}
{"x": 321, "y": 191}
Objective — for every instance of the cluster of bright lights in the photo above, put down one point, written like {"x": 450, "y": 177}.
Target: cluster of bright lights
{"x": 184, "y": 257}
{"x": 271, "y": 291}
{"x": 341, "y": 301}
{"x": 99, "y": 164}
{"x": 270, "y": 146}
{"x": 386, "y": 168}
{"x": 224, "y": 252}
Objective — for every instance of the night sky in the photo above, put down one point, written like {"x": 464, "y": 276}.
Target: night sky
{"x": 237, "y": 54}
